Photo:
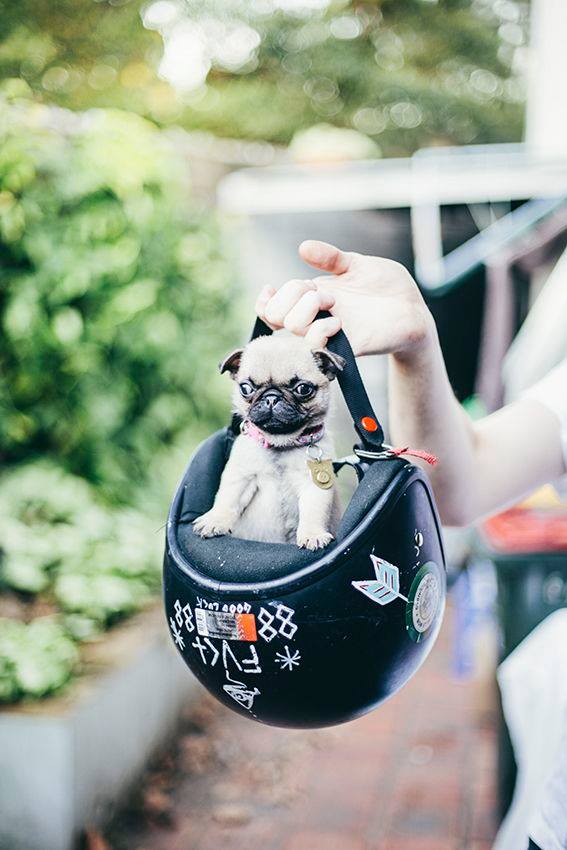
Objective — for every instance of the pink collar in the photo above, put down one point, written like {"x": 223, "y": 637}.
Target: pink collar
{"x": 306, "y": 439}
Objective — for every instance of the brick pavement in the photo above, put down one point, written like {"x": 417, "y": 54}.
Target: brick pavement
{"x": 417, "y": 774}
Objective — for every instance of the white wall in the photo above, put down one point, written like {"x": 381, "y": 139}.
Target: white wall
{"x": 547, "y": 93}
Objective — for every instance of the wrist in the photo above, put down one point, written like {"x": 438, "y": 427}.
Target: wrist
{"x": 422, "y": 345}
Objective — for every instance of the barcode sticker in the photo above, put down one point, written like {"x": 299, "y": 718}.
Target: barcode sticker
{"x": 219, "y": 624}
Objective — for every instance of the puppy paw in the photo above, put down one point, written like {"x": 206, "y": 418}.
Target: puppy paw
{"x": 314, "y": 539}
{"x": 212, "y": 524}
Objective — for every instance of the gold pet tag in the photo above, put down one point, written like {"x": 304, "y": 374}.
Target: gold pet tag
{"x": 321, "y": 471}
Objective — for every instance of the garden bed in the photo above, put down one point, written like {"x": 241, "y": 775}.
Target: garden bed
{"x": 66, "y": 762}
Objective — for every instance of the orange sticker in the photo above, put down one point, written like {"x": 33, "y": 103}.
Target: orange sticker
{"x": 246, "y": 627}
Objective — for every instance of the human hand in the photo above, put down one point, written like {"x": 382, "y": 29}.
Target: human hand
{"x": 375, "y": 301}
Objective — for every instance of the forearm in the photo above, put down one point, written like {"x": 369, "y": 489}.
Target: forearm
{"x": 483, "y": 466}
{"x": 425, "y": 414}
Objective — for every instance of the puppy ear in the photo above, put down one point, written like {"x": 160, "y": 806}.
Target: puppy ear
{"x": 328, "y": 362}
{"x": 231, "y": 362}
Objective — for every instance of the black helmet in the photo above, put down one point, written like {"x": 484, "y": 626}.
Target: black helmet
{"x": 306, "y": 639}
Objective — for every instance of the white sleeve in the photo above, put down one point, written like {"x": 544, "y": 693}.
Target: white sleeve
{"x": 551, "y": 391}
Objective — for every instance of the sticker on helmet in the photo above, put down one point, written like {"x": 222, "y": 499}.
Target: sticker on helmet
{"x": 288, "y": 660}
{"x": 218, "y": 624}
{"x": 241, "y": 694}
{"x": 424, "y": 601}
{"x": 386, "y": 587}
{"x": 425, "y": 596}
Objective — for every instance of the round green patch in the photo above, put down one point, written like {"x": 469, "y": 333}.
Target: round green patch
{"x": 424, "y": 601}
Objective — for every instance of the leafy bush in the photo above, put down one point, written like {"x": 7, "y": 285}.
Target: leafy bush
{"x": 54, "y": 533}
{"x": 35, "y": 659}
{"x": 111, "y": 291}
{"x": 93, "y": 563}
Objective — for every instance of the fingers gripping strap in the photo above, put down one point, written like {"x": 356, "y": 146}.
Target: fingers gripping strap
{"x": 364, "y": 419}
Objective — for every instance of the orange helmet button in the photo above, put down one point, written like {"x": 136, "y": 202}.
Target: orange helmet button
{"x": 368, "y": 423}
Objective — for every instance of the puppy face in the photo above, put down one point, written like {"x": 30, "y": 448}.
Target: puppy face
{"x": 281, "y": 385}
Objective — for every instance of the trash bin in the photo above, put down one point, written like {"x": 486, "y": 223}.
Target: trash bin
{"x": 528, "y": 547}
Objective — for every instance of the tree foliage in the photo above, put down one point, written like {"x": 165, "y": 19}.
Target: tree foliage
{"x": 73, "y": 52}
{"x": 406, "y": 72}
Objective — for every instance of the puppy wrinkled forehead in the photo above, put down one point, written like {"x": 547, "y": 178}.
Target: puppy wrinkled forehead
{"x": 277, "y": 359}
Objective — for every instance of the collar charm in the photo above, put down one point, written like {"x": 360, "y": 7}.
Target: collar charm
{"x": 320, "y": 469}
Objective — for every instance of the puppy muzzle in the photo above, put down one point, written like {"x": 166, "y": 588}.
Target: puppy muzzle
{"x": 275, "y": 414}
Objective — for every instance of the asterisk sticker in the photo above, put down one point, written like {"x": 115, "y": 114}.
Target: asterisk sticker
{"x": 286, "y": 660}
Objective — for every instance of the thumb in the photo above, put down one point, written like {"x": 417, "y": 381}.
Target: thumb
{"x": 323, "y": 256}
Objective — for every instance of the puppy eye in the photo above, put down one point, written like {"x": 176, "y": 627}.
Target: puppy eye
{"x": 304, "y": 390}
{"x": 246, "y": 389}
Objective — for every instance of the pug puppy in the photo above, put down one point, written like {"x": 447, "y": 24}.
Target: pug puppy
{"x": 268, "y": 491}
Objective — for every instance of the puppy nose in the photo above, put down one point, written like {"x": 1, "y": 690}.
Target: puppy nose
{"x": 271, "y": 398}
